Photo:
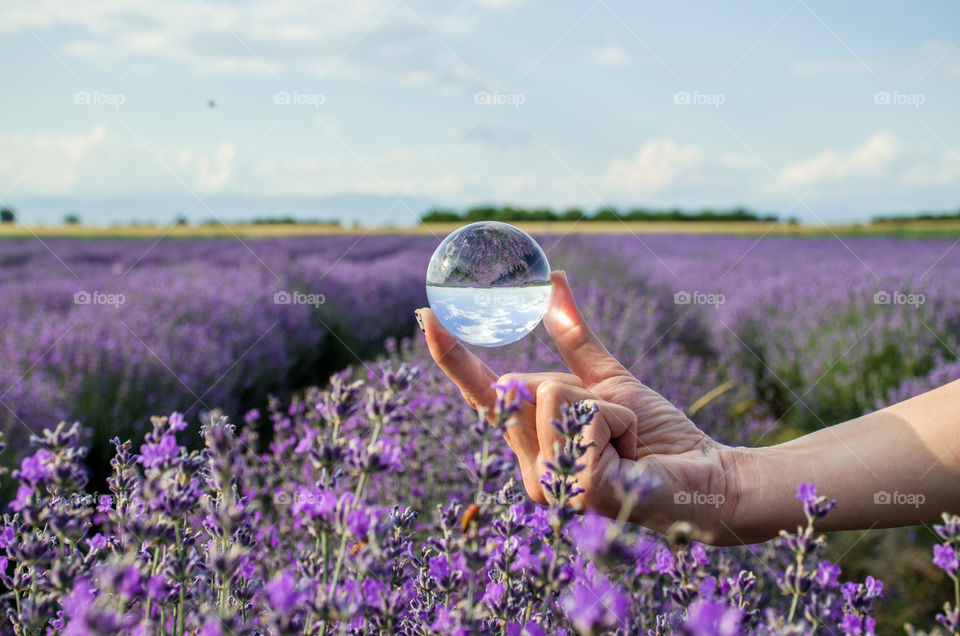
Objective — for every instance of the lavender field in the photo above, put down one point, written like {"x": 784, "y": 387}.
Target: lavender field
{"x": 188, "y": 325}
{"x": 376, "y": 501}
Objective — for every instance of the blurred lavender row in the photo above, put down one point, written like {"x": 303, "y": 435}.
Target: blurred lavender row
{"x": 111, "y": 332}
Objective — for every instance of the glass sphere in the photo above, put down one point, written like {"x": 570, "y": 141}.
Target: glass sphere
{"x": 489, "y": 283}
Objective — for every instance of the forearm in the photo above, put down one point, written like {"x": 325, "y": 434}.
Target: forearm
{"x": 894, "y": 467}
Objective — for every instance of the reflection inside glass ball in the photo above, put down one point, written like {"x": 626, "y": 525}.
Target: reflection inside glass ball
{"x": 489, "y": 283}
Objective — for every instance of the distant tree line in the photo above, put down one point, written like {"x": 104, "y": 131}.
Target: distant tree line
{"x": 271, "y": 220}
{"x": 923, "y": 216}
{"x": 9, "y": 215}
{"x": 507, "y": 213}
{"x": 289, "y": 220}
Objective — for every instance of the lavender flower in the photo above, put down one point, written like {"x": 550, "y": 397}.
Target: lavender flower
{"x": 949, "y": 530}
{"x": 511, "y": 394}
{"x": 945, "y": 558}
{"x": 711, "y": 618}
{"x": 814, "y": 506}
{"x": 593, "y": 602}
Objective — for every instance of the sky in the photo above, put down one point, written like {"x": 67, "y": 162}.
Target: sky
{"x": 149, "y": 109}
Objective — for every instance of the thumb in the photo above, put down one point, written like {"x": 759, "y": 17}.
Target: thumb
{"x": 580, "y": 348}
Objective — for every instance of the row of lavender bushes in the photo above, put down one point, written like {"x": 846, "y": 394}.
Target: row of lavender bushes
{"x": 198, "y": 325}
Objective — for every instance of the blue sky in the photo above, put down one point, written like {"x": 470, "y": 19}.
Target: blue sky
{"x": 823, "y": 111}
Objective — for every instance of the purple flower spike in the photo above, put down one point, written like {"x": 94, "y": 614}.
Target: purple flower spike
{"x": 945, "y": 558}
{"x": 950, "y": 529}
{"x": 852, "y": 625}
{"x": 814, "y": 506}
{"x": 510, "y": 397}
{"x": 594, "y": 602}
{"x": 713, "y": 618}
{"x": 282, "y": 592}
{"x": 97, "y": 542}
{"x": 807, "y": 493}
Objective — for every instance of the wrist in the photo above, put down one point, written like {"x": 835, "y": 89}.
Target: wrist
{"x": 764, "y": 488}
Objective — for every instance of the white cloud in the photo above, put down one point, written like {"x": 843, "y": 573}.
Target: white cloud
{"x": 374, "y": 39}
{"x": 427, "y": 170}
{"x": 214, "y": 171}
{"x": 203, "y": 171}
{"x": 868, "y": 161}
{"x": 46, "y": 162}
{"x": 97, "y": 160}
{"x": 658, "y": 164}
{"x": 945, "y": 170}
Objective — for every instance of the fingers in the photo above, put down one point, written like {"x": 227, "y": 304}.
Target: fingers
{"x": 534, "y": 380}
{"x": 580, "y": 348}
{"x": 613, "y": 427}
{"x": 473, "y": 377}
{"x": 522, "y": 436}
{"x": 613, "y": 424}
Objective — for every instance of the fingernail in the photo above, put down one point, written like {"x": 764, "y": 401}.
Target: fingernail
{"x": 419, "y": 321}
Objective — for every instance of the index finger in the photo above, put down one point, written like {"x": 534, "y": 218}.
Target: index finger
{"x": 474, "y": 378}
{"x": 580, "y": 348}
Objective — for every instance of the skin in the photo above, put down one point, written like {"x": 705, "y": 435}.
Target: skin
{"x": 743, "y": 495}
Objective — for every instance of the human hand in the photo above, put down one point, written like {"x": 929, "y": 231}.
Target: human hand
{"x": 635, "y": 428}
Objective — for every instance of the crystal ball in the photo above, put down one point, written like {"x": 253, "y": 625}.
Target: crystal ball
{"x": 489, "y": 283}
